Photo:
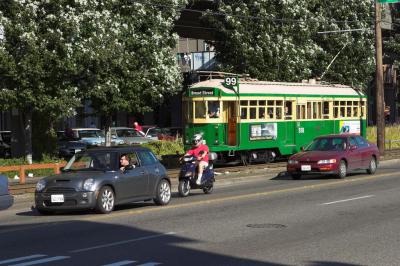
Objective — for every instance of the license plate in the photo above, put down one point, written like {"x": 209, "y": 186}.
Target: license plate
{"x": 57, "y": 198}
{"x": 306, "y": 168}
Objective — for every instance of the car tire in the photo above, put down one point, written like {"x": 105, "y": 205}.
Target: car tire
{"x": 372, "y": 166}
{"x": 163, "y": 193}
{"x": 184, "y": 188}
{"x": 105, "y": 200}
{"x": 342, "y": 171}
{"x": 296, "y": 176}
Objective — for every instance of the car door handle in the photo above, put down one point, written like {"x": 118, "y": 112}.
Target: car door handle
{"x": 143, "y": 172}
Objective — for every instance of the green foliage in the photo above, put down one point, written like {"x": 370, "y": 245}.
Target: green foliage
{"x": 162, "y": 147}
{"x": 279, "y": 40}
{"x": 392, "y": 132}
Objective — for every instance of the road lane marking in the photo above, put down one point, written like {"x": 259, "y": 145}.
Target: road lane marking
{"x": 150, "y": 264}
{"x": 339, "y": 201}
{"x": 121, "y": 263}
{"x": 22, "y": 258}
{"x": 121, "y": 242}
{"x": 41, "y": 261}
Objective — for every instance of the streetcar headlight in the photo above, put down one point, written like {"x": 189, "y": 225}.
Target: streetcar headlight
{"x": 327, "y": 161}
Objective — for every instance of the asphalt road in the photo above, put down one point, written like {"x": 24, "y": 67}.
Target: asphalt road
{"x": 264, "y": 219}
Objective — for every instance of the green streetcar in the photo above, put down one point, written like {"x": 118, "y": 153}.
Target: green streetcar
{"x": 260, "y": 120}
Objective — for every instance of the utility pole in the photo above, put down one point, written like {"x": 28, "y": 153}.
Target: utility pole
{"x": 379, "y": 99}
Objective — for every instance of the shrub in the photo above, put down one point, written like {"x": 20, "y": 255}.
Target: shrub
{"x": 392, "y": 132}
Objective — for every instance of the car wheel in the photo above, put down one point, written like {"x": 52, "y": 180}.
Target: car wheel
{"x": 184, "y": 188}
{"x": 372, "y": 166}
{"x": 105, "y": 200}
{"x": 342, "y": 171}
{"x": 296, "y": 176}
{"x": 163, "y": 194}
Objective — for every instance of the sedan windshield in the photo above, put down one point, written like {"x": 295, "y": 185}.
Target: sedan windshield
{"x": 92, "y": 161}
{"x": 91, "y": 133}
{"x": 327, "y": 144}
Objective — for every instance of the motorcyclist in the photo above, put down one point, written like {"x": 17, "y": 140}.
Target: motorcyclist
{"x": 200, "y": 151}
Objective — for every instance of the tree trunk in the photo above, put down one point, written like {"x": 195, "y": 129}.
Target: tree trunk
{"x": 108, "y": 130}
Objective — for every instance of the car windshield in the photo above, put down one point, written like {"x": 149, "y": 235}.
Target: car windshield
{"x": 92, "y": 161}
{"x": 327, "y": 144}
{"x": 128, "y": 133}
{"x": 154, "y": 131}
{"x": 90, "y": 133}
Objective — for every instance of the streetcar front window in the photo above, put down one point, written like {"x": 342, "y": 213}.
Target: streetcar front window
{"x": 213, "y": 109}
{"x": 199, "y": 109}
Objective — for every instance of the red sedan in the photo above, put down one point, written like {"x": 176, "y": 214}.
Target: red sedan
{"x": 334, "y": 154}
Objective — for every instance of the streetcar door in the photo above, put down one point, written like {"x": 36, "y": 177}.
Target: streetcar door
{"x": 230, "y": 110}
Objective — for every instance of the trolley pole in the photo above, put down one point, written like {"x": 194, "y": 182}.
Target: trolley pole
{"x": 380, "y": 108}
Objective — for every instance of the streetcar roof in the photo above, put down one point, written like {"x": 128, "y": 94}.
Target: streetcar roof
{"x": 281, "y": 88}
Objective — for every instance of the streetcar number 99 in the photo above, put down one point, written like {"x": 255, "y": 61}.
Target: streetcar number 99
{"x": 231, "y": 81}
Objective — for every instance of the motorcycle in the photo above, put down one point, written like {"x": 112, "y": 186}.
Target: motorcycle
{"x": 188, "y": 175}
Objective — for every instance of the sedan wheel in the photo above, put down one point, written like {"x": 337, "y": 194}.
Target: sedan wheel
{"x": 342, "y": 172}
{"x": 105, "y": 200}
{"x": 163, "y": 195}
{"x": 372, "y": 166}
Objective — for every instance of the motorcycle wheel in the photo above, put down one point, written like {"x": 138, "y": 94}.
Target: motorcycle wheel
{"x": 184, "y": 188}
{"x": 208, "y": 189}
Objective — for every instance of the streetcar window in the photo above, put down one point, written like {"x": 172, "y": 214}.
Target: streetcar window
{"x": 253, "y": 103}
{"x": 325, "y": 110}
{"x": 243, "y": 113}
{"x": 261, "y": 113}
{"x": 336, "y": 103}
{"x": 315, "y": 110}
{"x": 253, "y": 113}
{"x": 199, "y": 109}
{"x": 279, "y": 103}
{"x": 335, "y": 112}
{"x": 270, "y": 103}
{"x": 213, "y": 109}
{"x": 188, "y": 110}
{"x": 342, "y": 109}
{"x": 270, "y": 112}
{"x": 278, "y": 112}
{"x": 308, "y": 110}
{"x": 349, "y": 103}
{"x": 261, "y": 103}
{"x": 244, "y": 103}
{"x": 348, "y": 113}
{"x": 288, "y": 111}
{"x": 355, "y": 111}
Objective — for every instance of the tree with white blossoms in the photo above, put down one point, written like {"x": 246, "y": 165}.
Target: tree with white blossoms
{"x": 126, "y": 55}
{"x": 279, "y": 40}
{"x": 35, "y": 65}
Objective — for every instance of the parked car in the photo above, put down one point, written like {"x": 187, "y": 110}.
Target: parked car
{"x": 335, "y": 154}
{"x": 170, "y": 133}
{"x": 93, "y": 180}
{"x": 5, "y": 144}
{"x": 68, "y": 146}
{"x": 89, "y": 136}
{"x": 151, "y": 132}
{"x": 129, "y": 135}
{"x": 6, "y": 200}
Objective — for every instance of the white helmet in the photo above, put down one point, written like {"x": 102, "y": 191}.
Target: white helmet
{"x": 197, "y": 140}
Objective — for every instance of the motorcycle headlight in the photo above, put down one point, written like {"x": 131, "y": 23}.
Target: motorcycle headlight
{"x": 293, "y": 162}
{"x": 40, "y": 185}
{"x": 88, "y": 185}
{"x": 327, "y": 161}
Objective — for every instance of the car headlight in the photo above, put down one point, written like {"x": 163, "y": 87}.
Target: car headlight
{"x": 293, "y": 162}
{"x": 327, "y": 161}
{"x": 88, "y": 185}
{"x": 40, "y": 185}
